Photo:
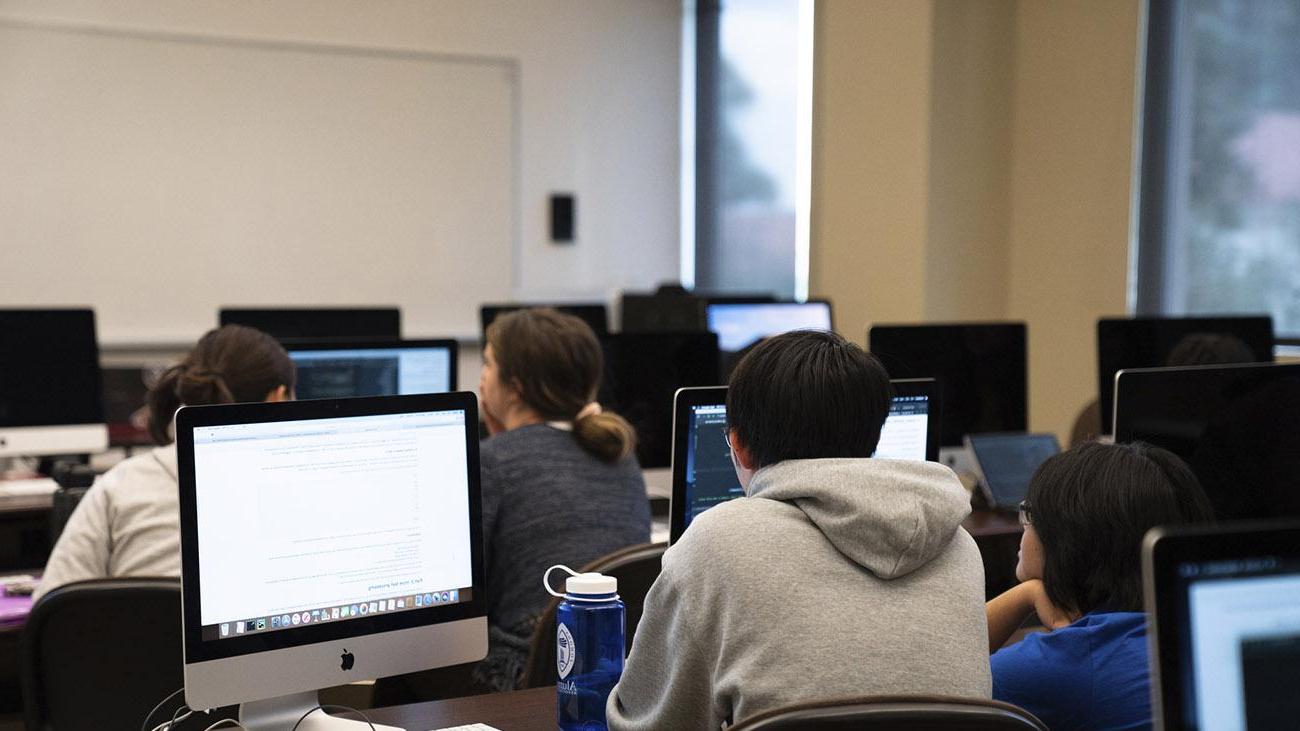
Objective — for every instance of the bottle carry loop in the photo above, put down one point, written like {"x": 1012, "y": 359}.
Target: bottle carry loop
{"x": 546, "y": 579}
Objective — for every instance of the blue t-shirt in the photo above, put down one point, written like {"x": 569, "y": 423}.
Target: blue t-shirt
{"x": 1092, "y": 674}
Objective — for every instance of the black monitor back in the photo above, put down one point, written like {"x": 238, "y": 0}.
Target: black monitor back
{"x": 595, "y": 314}
{"x": 1156, "y": 342}
{"x": 49, "y": 368}
{"x": 981, "y": 369}
{"x": 319, "y": 323}
{"x": 663, "y": 312}
{"x": 1238, "y": 426}
{"x": 643, "y": 372}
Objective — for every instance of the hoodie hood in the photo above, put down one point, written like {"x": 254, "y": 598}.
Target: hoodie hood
{"x": 890, "y": 516}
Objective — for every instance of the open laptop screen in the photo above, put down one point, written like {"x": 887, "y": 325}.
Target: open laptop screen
{"x": 1226, "y": 639}
{"x": 704, "y": 476}
{"x": 1007, "y": 463}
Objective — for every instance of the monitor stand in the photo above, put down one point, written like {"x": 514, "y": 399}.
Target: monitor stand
{"x": 280, "y": 714}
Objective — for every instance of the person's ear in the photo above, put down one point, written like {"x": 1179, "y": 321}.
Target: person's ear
{"x": 744, "y": 458}
{"x": 279, "y": 393}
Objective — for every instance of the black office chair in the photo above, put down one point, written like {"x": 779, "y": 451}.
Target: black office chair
{"x": 897, "y": 713}
{"x": 101, "y": 654}
{"x": 635, "y": 567}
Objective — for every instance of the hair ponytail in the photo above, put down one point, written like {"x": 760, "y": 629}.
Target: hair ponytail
{"x": 163, "y": 402}
{"x": 231, "y": 364}
{"x": 606, "y": 436}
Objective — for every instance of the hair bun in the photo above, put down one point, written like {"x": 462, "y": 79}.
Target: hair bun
{"x": 606, "y": 436}
{"x": 196, "y": 385}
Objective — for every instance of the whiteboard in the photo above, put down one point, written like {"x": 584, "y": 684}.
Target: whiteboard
{"x": 158, "y": 176}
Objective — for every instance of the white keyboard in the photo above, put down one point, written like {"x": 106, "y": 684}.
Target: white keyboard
{"x": 23, "y": 488}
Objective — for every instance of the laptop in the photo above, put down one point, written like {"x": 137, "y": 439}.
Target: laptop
{"x": 1224, "y": 603}
{"x": 703, "y": 475}
{"x": 1005, "y": 463}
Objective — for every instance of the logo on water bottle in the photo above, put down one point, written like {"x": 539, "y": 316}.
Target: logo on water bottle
{"x": 564, "y": 651}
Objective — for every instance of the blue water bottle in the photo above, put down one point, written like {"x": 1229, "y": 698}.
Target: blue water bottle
{"x": 588, "y": 647}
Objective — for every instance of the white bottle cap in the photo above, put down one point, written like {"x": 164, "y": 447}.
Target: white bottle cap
{"x": 582, "y": 587}
{"x": 589, "y": 584}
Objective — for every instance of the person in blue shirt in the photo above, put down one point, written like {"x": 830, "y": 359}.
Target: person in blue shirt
{"x": 1085, "y": 514}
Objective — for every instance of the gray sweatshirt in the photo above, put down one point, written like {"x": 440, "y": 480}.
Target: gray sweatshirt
{"x": 834, "y": 578}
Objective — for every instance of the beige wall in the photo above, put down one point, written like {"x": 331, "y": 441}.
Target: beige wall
{"x": 1071, "y": 191}
{"x": 871, "y": 110}
{"x": 1004, "y": 193}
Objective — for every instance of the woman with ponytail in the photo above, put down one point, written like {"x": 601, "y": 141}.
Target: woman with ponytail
{"x": 128, "y": 522}
{"x": 560, "y": 482}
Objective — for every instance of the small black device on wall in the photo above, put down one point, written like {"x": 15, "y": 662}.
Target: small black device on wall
{"x": 563, "y": 212}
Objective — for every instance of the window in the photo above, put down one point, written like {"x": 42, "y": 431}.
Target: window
{"x": 748, "y": 109}
{"x": 1219, "y": 227}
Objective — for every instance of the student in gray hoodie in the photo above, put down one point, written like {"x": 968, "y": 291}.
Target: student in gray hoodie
{"x": 836, "y": 576}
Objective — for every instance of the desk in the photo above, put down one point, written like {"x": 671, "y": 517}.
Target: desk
{"x": 24, "y": 524}
{"x": 520, "y": 710}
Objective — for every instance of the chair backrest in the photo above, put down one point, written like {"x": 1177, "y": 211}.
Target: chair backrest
{"x": 65, "y": 501}
{"x": 900, "y": 713}
{"x": 635, "y": 567}
{"x": 101, "y": 654}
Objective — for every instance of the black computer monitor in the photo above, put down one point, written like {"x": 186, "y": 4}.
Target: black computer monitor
{"x": 50, "y": 383}
{"x": 643, "y": 371}
{"x": 1224, "y": 625}
{"x": 1238, "y": 426}
{"x": 662, "y": 312}
{"x": 595, "y": 314}
{"x": 1156, "y": 342}
{"x": 981, "y": 369}
{"x": 289, "y": 324}
{"x": 333, "y": 369}
{"x": 703, "y": 475}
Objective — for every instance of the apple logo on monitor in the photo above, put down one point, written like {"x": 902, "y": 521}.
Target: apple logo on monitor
{"x": 348, "y": 659}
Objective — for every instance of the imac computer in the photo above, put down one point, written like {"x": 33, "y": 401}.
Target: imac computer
{"x": 981, "y": 369}
{"x": 1157, "y": 342}
{"x": 324, "y": 542}
{"x": 703, "y": 475}
{"x": 643, "y": 371}
{"x": 741, "y": 324}
{"x": 288, "y": 324}
{"x": 1224, "y": 632}
{"x": 595, "y": 314}
{"x": 1236, "y": 426}
{"x": 334, "y": 369}
{"x": 50, "y": 384}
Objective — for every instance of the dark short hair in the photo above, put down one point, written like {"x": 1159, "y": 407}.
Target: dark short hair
{"x": 808, "y": 394}
{"x": 1091, "y": 506}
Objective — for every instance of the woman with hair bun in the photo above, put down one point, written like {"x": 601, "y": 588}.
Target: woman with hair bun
{"x": 560, "y": 482}
{"x": 128, "y": 523}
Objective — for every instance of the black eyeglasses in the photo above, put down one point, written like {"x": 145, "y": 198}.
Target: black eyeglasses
{"x": 1024, "y": 513}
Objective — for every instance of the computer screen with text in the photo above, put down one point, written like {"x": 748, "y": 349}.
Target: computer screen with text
{"x": 323, "y": 520}
{"x": 347, "y": 373}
